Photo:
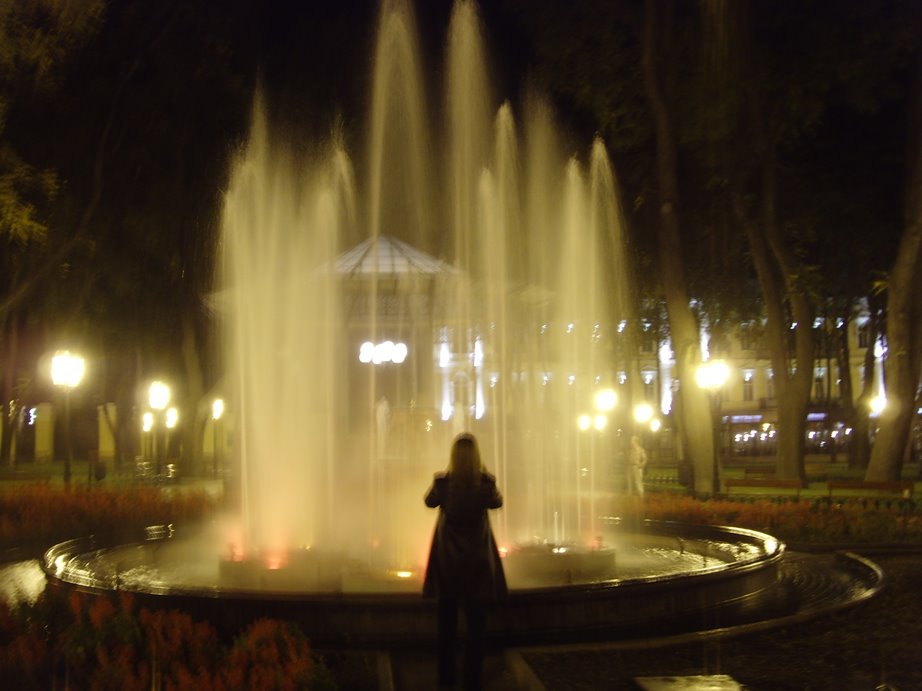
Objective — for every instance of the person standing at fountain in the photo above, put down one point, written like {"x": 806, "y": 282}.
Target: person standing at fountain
{"x": 638, "y": 459}
{"x": 464, "y": 569}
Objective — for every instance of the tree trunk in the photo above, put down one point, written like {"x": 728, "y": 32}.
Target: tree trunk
{"x": 793, "y": 404}
{"x": 861, "y": 443}
{"x": 901, "y": 367}
{"x": 693, "y": 411}
{"x": 792, "y": 387}
{"x": 902, "y": 364}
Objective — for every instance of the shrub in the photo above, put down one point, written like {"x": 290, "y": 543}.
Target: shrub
{"x": 792, "y": 521}
{"x": 105, "y": 642}
{"x": 42, "y": 515}
{"x": 270, "y": 655}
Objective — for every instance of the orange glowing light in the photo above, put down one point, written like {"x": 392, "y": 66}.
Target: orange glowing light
{"x": 275, "y": 560}
{"x": 503, "y": 551}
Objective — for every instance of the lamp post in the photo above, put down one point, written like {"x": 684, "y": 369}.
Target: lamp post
{"x": 67, "y": 372}
{"x": 643, "y": 413}
{"x": 217, "y": 410}
{"x": 711, "y": 376}
{"x": 158, "y": 396}
{"x": 147, "y": 444}
{"x": 171, "y": 418}
{"x": 655, "y": 426}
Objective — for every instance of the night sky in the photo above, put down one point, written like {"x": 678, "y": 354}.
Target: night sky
{"x": 140, "y": 118}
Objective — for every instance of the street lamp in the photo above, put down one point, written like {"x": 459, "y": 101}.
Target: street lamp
{"x": 147, "y": 444}
{"x": 643, "y": 413}
{"x": 711, "y": 376}
{"x": 67, "y": 372}
{"x": 877, "y": 404}
{"x": 606, "y": 400}
{"x": 172, "y": 417}
{"x": 217, "y": 410}
{"x": 158, "y": 396}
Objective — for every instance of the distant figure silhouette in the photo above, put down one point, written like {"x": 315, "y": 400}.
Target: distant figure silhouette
{"x": 638, "y": 459}
{"x": 464, "y": 569}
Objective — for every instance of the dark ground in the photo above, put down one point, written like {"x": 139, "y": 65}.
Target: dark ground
{"x": 874, "y": 645}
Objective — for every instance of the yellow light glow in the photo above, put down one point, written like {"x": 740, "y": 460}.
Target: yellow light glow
{"x": 584, "y": 422}
{"x": 606, "y": 400}
{"x": 147, "y": 421}
{"x": 599, "y": 422}
{"x": 158, "y": 395}
{"x": 67, "y": 369}
{"x": 712, "y": 375}
{"x": 172, "y": 417}
{"x": 878, "y": 403}
{"x": 643, "y": 413}
{"x": 217, "y": 409}
{"x": 655, "y": 424}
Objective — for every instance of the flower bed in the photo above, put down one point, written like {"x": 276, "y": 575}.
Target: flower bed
{"x": 819, "y": 521}
{"x": 40, "y": 515}
{"x": 107, "y": 643}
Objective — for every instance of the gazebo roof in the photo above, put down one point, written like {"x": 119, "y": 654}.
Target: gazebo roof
{"x": 388, "y": 256}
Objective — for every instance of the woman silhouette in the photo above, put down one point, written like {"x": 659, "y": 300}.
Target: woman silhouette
{"x": 464, "y": 569}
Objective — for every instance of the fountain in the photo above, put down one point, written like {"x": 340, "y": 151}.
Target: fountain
{"x": 478, "y": 282}
{"x": 498, "y": 273}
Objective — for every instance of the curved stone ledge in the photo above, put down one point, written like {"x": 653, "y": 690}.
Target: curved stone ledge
{"x": 733, "y": 587}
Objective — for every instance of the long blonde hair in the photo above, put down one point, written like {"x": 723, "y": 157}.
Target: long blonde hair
{"x": 465, "y": 464}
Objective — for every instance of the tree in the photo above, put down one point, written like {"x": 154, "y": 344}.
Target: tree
{"x": 904, "y": 319}
{"x": 36, "y": 40}
{"x": 791, "y": 101}
{"x": 759, "y": 91}
{"x": 693, "y": 405}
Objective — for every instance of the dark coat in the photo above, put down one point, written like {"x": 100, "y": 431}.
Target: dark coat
{"x": 464, "y": 562}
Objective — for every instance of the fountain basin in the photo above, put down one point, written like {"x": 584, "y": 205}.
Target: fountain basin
{"x": 727, "y": 576}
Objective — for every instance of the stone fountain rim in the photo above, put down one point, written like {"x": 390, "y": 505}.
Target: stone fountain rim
{"x": 663, "y": 529}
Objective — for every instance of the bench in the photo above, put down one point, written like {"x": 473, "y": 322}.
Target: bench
{"x": 763, "y": 483}
{"x": 903, "y": 488}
